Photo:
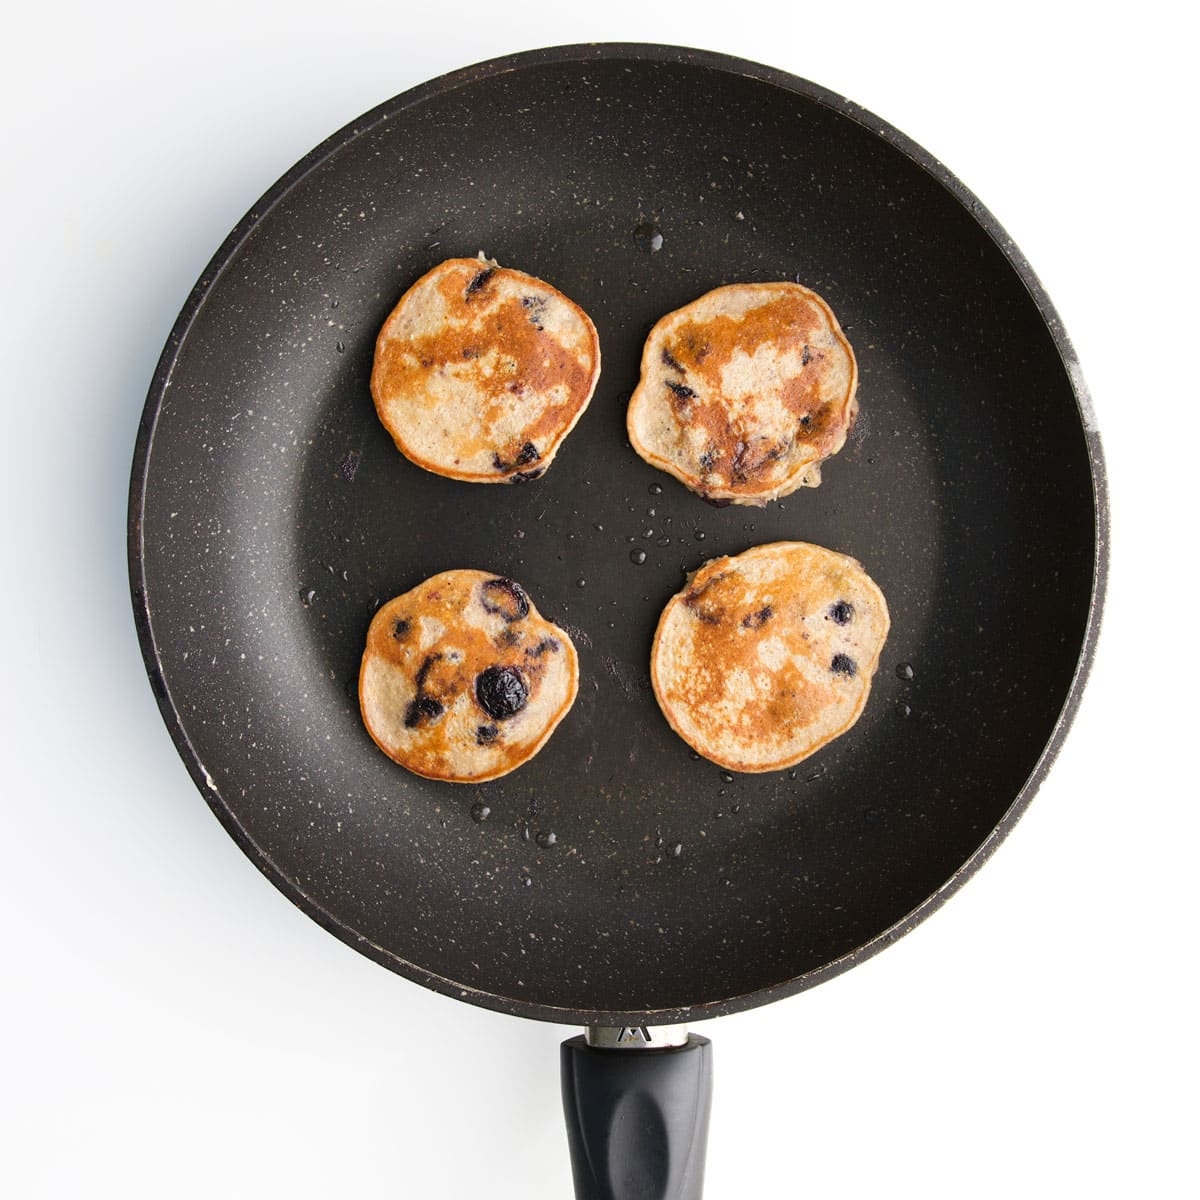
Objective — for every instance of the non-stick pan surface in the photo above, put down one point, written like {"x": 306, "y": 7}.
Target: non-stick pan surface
{"x": 616, "y": 878}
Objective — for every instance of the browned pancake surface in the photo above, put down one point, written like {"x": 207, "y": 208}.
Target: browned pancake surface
{"x": 745, "y": 391}
{"x": 462, "y": 679}
{"x": 765, "y": 657}
{"x": 480, "y": 372}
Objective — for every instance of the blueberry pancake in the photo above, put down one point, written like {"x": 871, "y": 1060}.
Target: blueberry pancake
{"x": 480, "y": 372}
{"x": 745, "y": 392}
{"x": 462, "y": 679}
{"x": 765, "y": 657}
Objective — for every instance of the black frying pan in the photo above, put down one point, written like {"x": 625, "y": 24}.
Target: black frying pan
{"x": 616, "y": 881}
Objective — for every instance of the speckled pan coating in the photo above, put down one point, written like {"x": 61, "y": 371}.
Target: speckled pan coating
{"x": 615, "y": 878}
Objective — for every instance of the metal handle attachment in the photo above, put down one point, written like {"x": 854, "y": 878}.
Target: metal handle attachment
{"x": 636, "y": 1037}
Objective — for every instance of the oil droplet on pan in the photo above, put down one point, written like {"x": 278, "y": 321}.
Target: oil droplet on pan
{"x": 648, "y": 237}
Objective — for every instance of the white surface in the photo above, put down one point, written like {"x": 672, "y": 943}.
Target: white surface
{"x": 174, "y": 1028}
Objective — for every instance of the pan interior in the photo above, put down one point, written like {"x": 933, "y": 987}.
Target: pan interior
{"x": 278, "y": 515}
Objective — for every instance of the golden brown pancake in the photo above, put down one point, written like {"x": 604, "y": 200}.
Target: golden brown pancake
{"x": 462, "y": 679}
{"x": 765, "y": 657}
{"x": 481, "y": 372}
{"x": 745, "y": 392}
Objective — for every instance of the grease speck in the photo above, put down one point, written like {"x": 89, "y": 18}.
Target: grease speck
{"x": 648, "y": 237}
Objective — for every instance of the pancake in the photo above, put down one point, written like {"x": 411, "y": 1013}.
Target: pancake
{"x": 480, "y": 372}
{"x": 462, "y": 679}
{"x": 745, "y": 392}
{"x": 767, "y": 656}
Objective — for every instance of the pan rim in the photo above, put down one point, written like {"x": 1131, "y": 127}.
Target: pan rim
{"x": 448, "y": 83}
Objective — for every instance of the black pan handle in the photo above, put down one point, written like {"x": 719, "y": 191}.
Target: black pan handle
{"x": 637, "y": 1118}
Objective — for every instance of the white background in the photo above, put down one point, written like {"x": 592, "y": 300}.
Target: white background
{"x": 174, "y": 1028}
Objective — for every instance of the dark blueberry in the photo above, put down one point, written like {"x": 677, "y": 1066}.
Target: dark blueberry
{"x": 400, "y": 627}
{"x": 805, "y": 357}
{"x": 546, "y": 644}
{"x": 743, "y": 462}
{"x": 806, "y": 419}
{"x": 709, "y": 458}
{"x": 506, "y": 597}
{"x": 671, "y": 361}
{"x": 501, "y": 691}
{"x": 528, "y": 476}
{"x": 486, "y": 734}
{"x": 680, "y": 389}
{"x": 424, "y": 669}
{"x": 470, "y": 352}
{"x": 535, "y": 310}
{"x": 691, "y": 597}
{"x": 756, "y": 620}
{"x": 842, "y": 612}
{"x": 480, "y": 281}
{"x": 843, "y": 664}
{"x": 424, "y": 709}
{"x": 528, "y": 453}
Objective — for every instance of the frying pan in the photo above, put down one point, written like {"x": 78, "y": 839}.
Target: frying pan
{"x": 617, "y": 881}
